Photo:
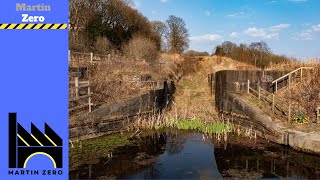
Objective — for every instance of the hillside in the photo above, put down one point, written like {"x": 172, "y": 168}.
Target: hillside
{"x": 193, "y": 98}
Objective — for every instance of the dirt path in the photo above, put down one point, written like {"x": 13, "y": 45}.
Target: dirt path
{"x": 193, "y": 98}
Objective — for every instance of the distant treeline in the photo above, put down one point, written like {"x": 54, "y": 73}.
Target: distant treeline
{"x": 196, "y": 53}
{"x": 257, "y": 53}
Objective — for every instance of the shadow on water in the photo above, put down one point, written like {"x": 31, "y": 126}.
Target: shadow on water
{"x": 189, "y": 155}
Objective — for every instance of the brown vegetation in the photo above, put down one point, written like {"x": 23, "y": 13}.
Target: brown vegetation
{"x": 120, "y": 78}
{"x": 178, "y": 35}
{"x": 257, "y": 53}
{"x": 193, "y": 99}
{"x": 306, "y": 93}
{"x": 115, "y": 20}
{"x": 141, "y": 49}
{"x": 196, "y": 53}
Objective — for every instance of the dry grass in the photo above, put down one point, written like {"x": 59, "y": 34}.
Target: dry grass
{"x": 141, "y": 49}
{"x": 120, "y": 78}
{"x": 171, "y": 66}
{"x": 292, "y": 65}
{"x": 193, "y": 99}
{"x": 125, "y": 75}
{"x": 306, "y": 93}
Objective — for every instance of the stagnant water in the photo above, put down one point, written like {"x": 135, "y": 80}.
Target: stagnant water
{"x": 191, "y": 155}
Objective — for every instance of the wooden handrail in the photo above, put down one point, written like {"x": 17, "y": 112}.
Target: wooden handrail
{"x": 80, "y": 97}
{"x": 286, "y": 75}
{"x": 80, "y": 87}
{"x": 277, "y": 103}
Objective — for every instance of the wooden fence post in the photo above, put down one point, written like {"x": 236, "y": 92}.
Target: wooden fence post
{"x": 273, "y": 103}
{"x": 318, "y": 114}
{"x": 91, "y": 58}
{"x": 89, "y": 99}
{"x": 276, "y": 87}
{"x": 210, "y": 83}
{"x": 76, "y": 85}
{"x": 69, "y": 55}
{"x": 301, "y": 75}
{"x": 259, "y": 90}
{"x": 289, "y": 80}
{"x": 248, "y": 86}
{"x": 289, "y": 114}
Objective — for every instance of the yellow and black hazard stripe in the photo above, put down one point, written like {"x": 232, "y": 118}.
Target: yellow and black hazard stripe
{"x": 33, "y": 26}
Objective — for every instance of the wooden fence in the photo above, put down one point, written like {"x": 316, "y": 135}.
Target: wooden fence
{"x": 298, "y": 73}
{"x": 82, "y": 100}
{"x": 86, "y": 58}
{"x": 278, "y": 106}
{"x": 81, "y": 95}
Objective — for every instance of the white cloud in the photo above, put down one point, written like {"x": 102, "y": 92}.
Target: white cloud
{"x": 255, "y": 32}
{"x": 298, "y": 0}
{"x": 316, "y": 28}
{"x": 266, "y": 33}
{"x": 279, "y": 27}
{"x": 304, "y": 35}
{"x": 271, "y": 36}
{"x": 234, "y": 35}
{"x": 163, "y": 1}
{"x": 307, "y": 34}
{"x": 206, "y": 38}
{"x": 260, "y": 33}
{"x": 207, "y": 13}
{"x": 239, "y": 14}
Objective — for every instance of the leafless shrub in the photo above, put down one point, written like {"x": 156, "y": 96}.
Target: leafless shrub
{"x": 103, "y": 45}
{"x": 307, "y": 93}
{"x": 190, "y": 65}
{"x": 119, "y": 78}
{"x": 141, "y": 49}
{"x": 77, "y": 42}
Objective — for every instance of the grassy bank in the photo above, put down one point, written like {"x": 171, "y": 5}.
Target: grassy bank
{"x": 196, "y": 124}
{"x": 89, "y": 151}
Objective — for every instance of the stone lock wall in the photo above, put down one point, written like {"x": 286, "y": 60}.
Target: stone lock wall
{"x": 111, "y": 118}
{"x": 236, "y": 81}
{"x": 228, "y": 88}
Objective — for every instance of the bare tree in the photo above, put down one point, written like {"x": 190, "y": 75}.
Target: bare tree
{"x": 115, "y": 20}
{"x": 260, "y": 51}
{"x": 228, "y": 47}
{"x": 159, "y": 27}
{"x": 178, "y": 36}
{"x": 161, "y": 30}
{"x": 79, "y": 13}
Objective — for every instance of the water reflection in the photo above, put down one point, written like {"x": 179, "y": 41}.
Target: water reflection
{"x": 181, "y": 155}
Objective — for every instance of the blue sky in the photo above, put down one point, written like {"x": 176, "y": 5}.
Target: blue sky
{"x": 290, "y": 27}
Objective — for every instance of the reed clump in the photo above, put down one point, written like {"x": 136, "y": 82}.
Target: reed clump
{"x": 158, "y": 122}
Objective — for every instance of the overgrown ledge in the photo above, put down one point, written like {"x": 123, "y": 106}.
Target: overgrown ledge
{"x": 112, "y": 118}
{"x": 229, "y": 85}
